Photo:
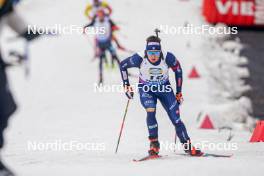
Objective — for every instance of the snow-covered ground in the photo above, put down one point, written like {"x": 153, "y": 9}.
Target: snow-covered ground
{"x": 58, "y": 102}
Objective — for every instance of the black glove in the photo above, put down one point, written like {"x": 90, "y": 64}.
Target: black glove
{"x": 129, "y": 91}
{"x": 179, "y": 98}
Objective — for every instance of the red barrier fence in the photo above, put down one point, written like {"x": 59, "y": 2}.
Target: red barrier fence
{"x": 234, "y": 12}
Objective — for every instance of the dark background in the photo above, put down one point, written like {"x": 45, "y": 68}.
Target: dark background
{"x": 254, "y": 51}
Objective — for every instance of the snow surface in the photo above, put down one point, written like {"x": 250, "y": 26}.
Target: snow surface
{"x": 57, "y": 102}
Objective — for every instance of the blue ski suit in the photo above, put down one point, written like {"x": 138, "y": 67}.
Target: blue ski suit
{"x": 154, "y": 85}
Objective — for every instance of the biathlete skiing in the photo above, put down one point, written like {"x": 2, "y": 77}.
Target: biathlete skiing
{"x": 104, "y": 40}
{"x": 154, "y": 64}
{"x": 92, "y": 9}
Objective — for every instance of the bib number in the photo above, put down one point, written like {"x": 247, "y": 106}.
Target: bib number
{"x": 156, "y": 77}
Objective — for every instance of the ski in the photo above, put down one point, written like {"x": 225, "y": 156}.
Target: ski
{"x": 185, "y": 154}
{"x": 149, "y": 157}
{"x": 208, "y": 155}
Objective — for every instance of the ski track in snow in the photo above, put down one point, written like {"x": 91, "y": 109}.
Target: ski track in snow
{"x": 57, "y": 102}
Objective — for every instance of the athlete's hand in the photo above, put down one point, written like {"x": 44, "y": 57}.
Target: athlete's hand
{"x": 129, "y": 91}
{"x": 179, "y": 98}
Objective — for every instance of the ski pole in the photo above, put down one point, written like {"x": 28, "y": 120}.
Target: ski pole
{"x": 122, "y": 126}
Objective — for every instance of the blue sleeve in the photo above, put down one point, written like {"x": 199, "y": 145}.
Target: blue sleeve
{"x": 133, "y": 61}
{"x": 175, "y": 65}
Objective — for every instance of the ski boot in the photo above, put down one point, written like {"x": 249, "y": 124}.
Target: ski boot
{"x": 4, "y": 171}
{"x": 100, "y": 82}
{"x": 114, "y": 58}
{"x": 154, "y": 147}
{"x": 191, "y": 150}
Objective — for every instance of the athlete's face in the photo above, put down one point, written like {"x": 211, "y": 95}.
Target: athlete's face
{"x": 96, "y": 2}
{"x": 153, "y": 56}
{"x": 101, "y": 15}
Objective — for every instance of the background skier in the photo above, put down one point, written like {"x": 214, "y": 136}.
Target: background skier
{"x": 92, "y": 9}
{"x": 104, "y": 40}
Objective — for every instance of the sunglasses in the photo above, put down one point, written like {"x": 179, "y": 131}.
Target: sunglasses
{"x": 155, "y": 53}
